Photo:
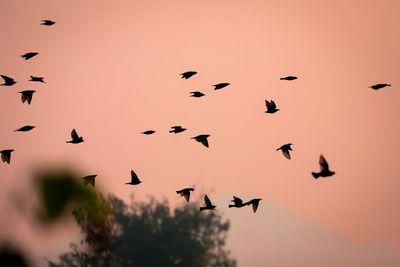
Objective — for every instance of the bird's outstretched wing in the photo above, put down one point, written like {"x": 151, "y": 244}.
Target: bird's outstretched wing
{"x": 74, "y": 135}
{"x": 237, "y": 201}
{"x": 207, "y": 201}
{"x": 204, "y": 141}
{"x": 186, "y": 194}
{"x": 134, "y": 177}
{"x": 267, "y": 104}
{"x": 255, "y": 206}
{"x": 7, "y": 79}
{"x": 323, "y": 164}
{"x": 29, "y": 98}
{"x": 273, "y": 105}
{"x": 286, "y": 153}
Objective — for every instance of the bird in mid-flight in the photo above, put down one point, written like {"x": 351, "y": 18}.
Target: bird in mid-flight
{"x": 177, "y": 129}
{"x": 220, "y": 85}
{"x": 6, "y": 155}
{"x": 188, "y": 74}
{"x": 7, "y": 80}
{"x": 197, "y": 94}
{"x": 202, "y": 139}
{"x": 134, "y": 179}
{"x": 324, "y": 169}
{"x": 47, "y": 22}
{"x": 185, "y": 193}
{"x": 29, "y": 55}
{"x": 148, "y": 132}
{"x": 75, "y": 138}
{"x": 37, "y": 79}
{"x": 289, "y": 78}
{"x": 27, "y": 96}
{"x": 254, "y": 202}
{"x": 379, "y": 86}
{"x": 25, "y": 128}
{"x": 209, "y": 205}
{"x": 237, "y": 203}
{"x": 89, "y": 179}
{"x": 271, "y": 106}
{"x": 285, "y": 150}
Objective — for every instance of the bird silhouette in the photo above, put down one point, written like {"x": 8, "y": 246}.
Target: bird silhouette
{"x": 185, "y": 193}
{"x": 134, "y": 179}
{"x": 37, "y": 79}
{"x": 29, "y": 55}
{"x": 254, "y": 202}
{"x": 197, "y": 94}
{"x": 237, "y": 203}
{"x": 209, "y": 205}
{"x": 7, "y": 80}
{"x": 89, "y": 179}
{"x": 75, "y": 138}
{"x": 379, "y": 86}
{"x": 220, "y": 85}
{"x": 271, "y": 107}
{"x": 202, "y": 139}
{"x": 47, "y": 22}
{"x": 6, "y": 155}
{"x": 324, "y": 169}
{"x": 289, "y": 78}
{"x": 285, "y": 150}
{"x": 25, "y": 128}
{"x": 27, "y": 96}
{"x": 188, "y": 74}
{"x": 148, "y": 132}
{"x": 177, "y": 129}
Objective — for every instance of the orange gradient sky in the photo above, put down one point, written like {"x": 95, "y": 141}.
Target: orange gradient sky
{"x": 112, "y": 70}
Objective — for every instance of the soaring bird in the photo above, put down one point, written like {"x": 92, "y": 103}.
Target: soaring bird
{"x": 379, "y": 86}
{"x": 29, "y": 55}
{"x": 47, "y": 22}
{"x": 289, "y": 78}
{"x": 25, "y": 128}
{"x": 237, "y": 203}
{"x": 185, "y": 193}
{"x": 254, "y": 202}
{"x": 324, "y": 169}
{"x": 75, "y": 138}
{"x": 188, "y": 74}
{"x": 220, "y": 85}
{"x": 197, "y": 94}
{"x": 27, "y": 96}
{"x": 271, "y": 106}
{"x": 134, "y": 179}
{"x": 148, "y": 132}
{"x": 37, "y": 79}
{"x": 202, "y": 139}
{"x": 177, "y": 129}
{"x": 7, "y": 80}
{"x": 285, "y": 150}
{"x": 209, "y": 205}
{"x": 89, "y": 179}
{"x": 6, "y": 155}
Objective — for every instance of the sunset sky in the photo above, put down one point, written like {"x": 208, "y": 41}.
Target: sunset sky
{"x": 112, "y": 71}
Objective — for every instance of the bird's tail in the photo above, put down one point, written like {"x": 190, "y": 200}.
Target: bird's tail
{"x": 281, "y": 78}
{"x": 316, "y": 175}
{"x": 68, "y": 142}
{"x": 202, "y": 208}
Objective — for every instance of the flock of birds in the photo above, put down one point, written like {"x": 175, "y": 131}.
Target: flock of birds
{"x": 26, "y": 96}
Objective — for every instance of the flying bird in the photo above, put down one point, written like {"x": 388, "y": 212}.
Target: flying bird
{"x": 188, "y": 74}
{"x": 197, "y": 94}
{"x": 202, "y": 139}
{"x": 324, "y": 169}
{"x": 75, "y": 138}
{"x": 220, "y": 85}
{"x": 379, "y": 86}
{"x": 25, "y": 128}
{"x": 271, "y": 107}
{"x": 148, "y": 132}
{"x": 237, "y": 203}
{"x": 177, "y": 129}
{"x": 47, "y": 22}
{"x": 29, "y": 55}
{"x": 6, "y": 155}
{"x": 254, "y": 202}
{"x": 27, "y": 96}
{"x": 37, "y": 79}
{"x": 134, "y": 179}
{"x": 285, "y": 150}
{"x": 185, "y": 193}
{"x": 289, "y": 78}
{"x": 209, "y": 205}
{"x": 89, "y": 179}
{"x": 7, "y": 80}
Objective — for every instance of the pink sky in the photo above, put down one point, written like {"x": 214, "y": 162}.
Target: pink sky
{"x": 112, "y": 71}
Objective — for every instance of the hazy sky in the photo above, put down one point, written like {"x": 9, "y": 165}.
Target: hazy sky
{"x": 112, "y": 70}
